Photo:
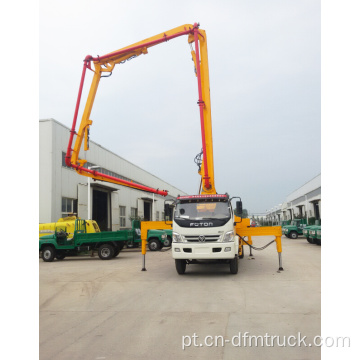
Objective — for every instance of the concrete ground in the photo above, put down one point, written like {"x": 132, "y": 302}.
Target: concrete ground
{"x": 95, "y": 309}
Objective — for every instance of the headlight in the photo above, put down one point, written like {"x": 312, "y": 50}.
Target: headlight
{"x": 286, "y": 230}
{"x": 319, "y": 232}
{"x": 312, "y": 232}
{"x": 163, "y": 236}
{"x": 229, "y": 236}
{"x": 177, "y": 237}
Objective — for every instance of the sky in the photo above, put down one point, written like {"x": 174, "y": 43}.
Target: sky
{"x": 265, "y": 78}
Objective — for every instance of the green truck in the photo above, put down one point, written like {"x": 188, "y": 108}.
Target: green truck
{"x": 295, "y": 228}
{"x": 313, "y": 233}
{"x": 108, "y": 244}
{"x": 284, "y": 223}
{"x": 156, "y": 239}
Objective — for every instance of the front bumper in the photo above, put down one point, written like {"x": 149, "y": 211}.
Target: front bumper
{"x": 205, "y": 251}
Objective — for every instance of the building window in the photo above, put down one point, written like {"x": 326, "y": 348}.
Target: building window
{"x": 68, "y": 207}
{"x": 134, "y": 213}
{"x": 157, "y": 216}
{"x": 63, "y": 155}
{"x": 122, "y": 216}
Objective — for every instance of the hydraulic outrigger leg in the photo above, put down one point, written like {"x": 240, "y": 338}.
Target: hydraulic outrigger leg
{"x": 280, "y": 262}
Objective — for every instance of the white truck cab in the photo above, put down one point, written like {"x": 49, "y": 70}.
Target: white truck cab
{"x": 204, "y": 229}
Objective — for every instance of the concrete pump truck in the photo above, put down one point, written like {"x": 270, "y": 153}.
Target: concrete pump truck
{"x": 204, "y": 225}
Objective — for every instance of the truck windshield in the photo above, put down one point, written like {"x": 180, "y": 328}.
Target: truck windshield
{"x": 202, "y": 211}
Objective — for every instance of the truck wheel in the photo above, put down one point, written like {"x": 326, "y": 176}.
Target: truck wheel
{"x": 317, "y": 242}
{"x": 106, "y": 252}
{"x": 242, "y": 252}
{"x": 180, "y": 266}
{"x": 154, "y": 245}
{"x": 118, "y": 248}
{"x": 48, "y": 254}
{"x": 234, "y": 265}
{"x": 293, "y": 235}
{"x": 60, "y": 256}
{"x": 167, "y": 241}
{"x": 310, "y": 240}
{"x": 129, "y": 244}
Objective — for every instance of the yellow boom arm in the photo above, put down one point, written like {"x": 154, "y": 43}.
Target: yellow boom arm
{"x": 105, "y": 64}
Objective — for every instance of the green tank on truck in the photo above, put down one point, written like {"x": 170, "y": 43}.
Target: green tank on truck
{"x": 295, "y": 228}
{"x": 108, "y": 244}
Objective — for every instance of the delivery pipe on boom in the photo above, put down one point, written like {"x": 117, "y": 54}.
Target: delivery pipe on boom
{"x": 201, "y": 107}
{"x": 106, "y": 63}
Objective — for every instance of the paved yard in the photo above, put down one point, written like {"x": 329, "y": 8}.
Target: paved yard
{"x": 94, "y": 309}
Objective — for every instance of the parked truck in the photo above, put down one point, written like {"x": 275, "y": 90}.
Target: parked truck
{"x": 155, "y": 238}
{"x": 210, "y": 231}
{"x": 308, "y": 228}
{"x": 107, "y": 244}
{"x": 295, "y": 228}
{"x": 313, "y": 233}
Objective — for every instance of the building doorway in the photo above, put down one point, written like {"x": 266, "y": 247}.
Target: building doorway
{"x": 147, "y": 211}
{"x": 316, "y": 210}
{"x": 100, "y": 209}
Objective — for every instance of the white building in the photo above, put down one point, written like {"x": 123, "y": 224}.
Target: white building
{"x": 64, "y": 192}
{"x": 305, "y": 202}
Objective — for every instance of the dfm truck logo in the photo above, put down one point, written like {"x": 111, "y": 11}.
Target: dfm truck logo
{"x": 204, "y": 224}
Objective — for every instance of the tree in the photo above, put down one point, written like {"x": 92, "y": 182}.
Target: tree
{"x": 244, "y": 213}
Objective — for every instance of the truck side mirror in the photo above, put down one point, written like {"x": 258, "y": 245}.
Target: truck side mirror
{"x": 239, "y": 208}
{"x": 168, "y": 212}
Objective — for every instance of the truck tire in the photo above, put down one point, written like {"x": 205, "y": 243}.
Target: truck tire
{"x": 242, "y": 252}
{"x": 317, "y": 242}
{"x": 48, "y": 254}
{"x": 293, "y": 235}
{"x": 180, "y": 266}
{"x": 106, "y": 252}
{"x": 129, "y": 244}
{"x": 118, "y": 248}
{"x": 168, "y": 241}
{"x": 60, "y": 255}
{"x": 154, "y": 245}
{"x": 234, "y": 265}
{"x": 310, "y": 240}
